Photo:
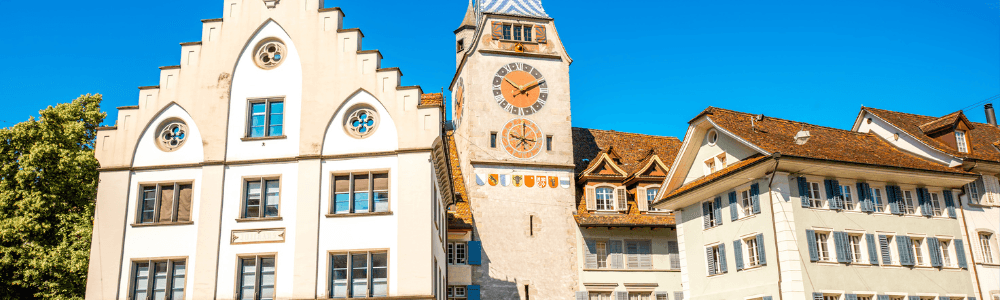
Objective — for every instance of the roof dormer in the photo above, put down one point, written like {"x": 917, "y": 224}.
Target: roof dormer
{"x": 952, "y": 130}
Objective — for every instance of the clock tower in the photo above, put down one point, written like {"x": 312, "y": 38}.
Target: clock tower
{"x": 512, "y": 132}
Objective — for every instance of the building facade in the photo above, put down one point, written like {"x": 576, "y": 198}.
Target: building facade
{"x": 278, "y": 160}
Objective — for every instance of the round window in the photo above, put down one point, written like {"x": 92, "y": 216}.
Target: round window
{"x": 712, "y": 137}
{"x": 361, "y": 122}
{"x": 270, "y": 53}
{"x": 171, "y": 135}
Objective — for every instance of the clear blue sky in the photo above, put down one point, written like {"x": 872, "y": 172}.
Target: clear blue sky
{"x": 639, "y": 66}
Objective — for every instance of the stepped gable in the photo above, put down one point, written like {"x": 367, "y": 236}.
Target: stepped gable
{"x": 981, "y": 136}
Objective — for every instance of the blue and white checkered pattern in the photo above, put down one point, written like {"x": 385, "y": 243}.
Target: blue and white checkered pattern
{"x": 531, "y": 8}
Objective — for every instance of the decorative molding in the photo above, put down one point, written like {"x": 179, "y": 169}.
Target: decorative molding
{"x": 257, "y": 236}
{"x": 525, "y": 54}
{"x": 266, "y": 160}
{"x": 271, "y": 3}
{"x": 523, "y": 164}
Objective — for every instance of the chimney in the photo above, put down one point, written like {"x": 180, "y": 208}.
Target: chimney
{"x": 991, "y": 117}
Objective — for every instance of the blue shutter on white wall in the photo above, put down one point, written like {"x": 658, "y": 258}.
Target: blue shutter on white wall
{"x": 831, "y": 193}
{"x": 733, "y": 211}
{"x": 738, "y": 254}
{"x": 472, "y": 291}
{"x": 475, "y": 252}
{"x": 755, "y": 197}
{"x": 872, "y": 250}
{"x": 934, "y": 249}
{"x": 767, "y": 298}
{"x": 890, "y": 199}
{"x": 886, "y": 252}
{"x": 710, "y": 259}
{"x": 960, "y": 254}
{"x": 817, "y": 296}
{"x": 718, "y": 211}
{"x": 924, "y": 199}
{"x": 705, "y": 207}
{"x": 905, "y": 253}
{"x": 722, "y": 258}
{"x": 840, "y": 242}
{"x": 899, "y": 200}
{"x": 850, "y": 296}
{"x": 804, "y": 191}
{"x": 811, "y": 240}
{"x": 863, "y": 197}
{"x": 883, "y": 297}
{"x": 949, "y": 203}
{"x": 760, "y": 249}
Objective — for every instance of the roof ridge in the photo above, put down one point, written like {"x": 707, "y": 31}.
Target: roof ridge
{"x": 926, "y": 116}
{"x": 792, "y": 121}
{"x": 629, "y": 133}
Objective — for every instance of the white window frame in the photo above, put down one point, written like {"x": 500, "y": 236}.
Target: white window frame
{"x": 909, "y": 208}
{"x": 815, "y": 194}
{"x": 710, "y": 214}
{"x": 919, "y": 251}
{"x": 986, "y": 246}
{"x": 961, "y": 142}
{"x": 827, "y": 296}
{"x": 752, "y": 251}
{"x": 823, "y": 245}
{"x": 973, "y": 191}
{"x": 640, "y": 295}
{"x": 652, "y": 197}
{"x": 880, "y": 202}
{"x": 600, "y": 295}
{"x": 946, "y": 254}
{"x": 848, "y": 197}
{"x": 457, "y": 292}
{"x": 936, "y": 207}
{"x": 710, "y": 166}
{"x": 857, "y": 244}
{"x": 458, "y": 253}
{"x": 602, "y": 253}
{"x": 609, "y": 200}
{"x": 746, "y": 202}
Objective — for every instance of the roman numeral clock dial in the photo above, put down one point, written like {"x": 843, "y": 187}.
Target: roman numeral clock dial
{"x": 521, "y": 138}
{"x": 521, "y": 90}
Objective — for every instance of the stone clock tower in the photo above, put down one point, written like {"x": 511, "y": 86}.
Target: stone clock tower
{"x": 511, "y": 111}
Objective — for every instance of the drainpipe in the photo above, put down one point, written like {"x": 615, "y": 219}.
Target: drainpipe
{"x": 774, "y": 228}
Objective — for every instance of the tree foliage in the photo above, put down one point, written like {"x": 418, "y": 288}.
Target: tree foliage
{"x": 48, "y": 182}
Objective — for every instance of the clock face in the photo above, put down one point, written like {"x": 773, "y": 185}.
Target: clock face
{"x": 521, "y": 138}
{"x": 459, "y": 102}
{"x": 520, "y": 89}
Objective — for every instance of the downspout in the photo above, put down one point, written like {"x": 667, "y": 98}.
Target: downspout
{"x": 965, "y": 232}
{"x": 774, "y": 228}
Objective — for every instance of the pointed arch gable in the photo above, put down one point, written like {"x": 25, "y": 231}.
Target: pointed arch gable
{"x": 146, "y": 152}
{"x": 604, "y": 159}
{"x": 336, "y": 140}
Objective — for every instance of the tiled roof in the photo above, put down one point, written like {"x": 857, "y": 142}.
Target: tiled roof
{"x": 632, "y": 148}
{"x": 943, "y": 122}
{"x": 432, "y": 99}
{"x": 778, "y": 135}
{"x": 461, "y": 217}
{"x": 531, "y": 8}
{"x": 981, "y": 138}
{"x": 740, "y": 165}
{"x": 633, "y": 218}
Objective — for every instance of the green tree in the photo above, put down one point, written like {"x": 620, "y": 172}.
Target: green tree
{"x": 48, "y": 182}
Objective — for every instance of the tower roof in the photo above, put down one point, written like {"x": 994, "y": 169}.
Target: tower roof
{"x": 530, "y": 8}
{"x": 470, "y": 17}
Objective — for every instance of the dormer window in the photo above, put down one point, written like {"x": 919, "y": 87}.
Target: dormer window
{"x": 961, "y": 142}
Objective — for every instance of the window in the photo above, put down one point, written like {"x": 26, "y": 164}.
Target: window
{"x": 945, "y": 252}
{"x": 848, "y": 197}
{"x": 753, "y": 252}
{"x": 710, "y": 166}
{"x": 715, "y": 261}
{"x": 517, "y": 32}
{"x": 638, "y": 296}
{"x": 165, "y": 203}
{"x": 960, "y": 141}
{"x": 856, "y": 252}
{"x": 973, "y": 190}
{"x": 362, "y": 192}
{"x": 864, "y": 297}
{"x": 548, "y": 143}
{"x": 506, "y": 31}
{"x": 456, "y": 253}
{"x": 712, "y": 137}
{"x": 831, "y": 297}
{"x": 918, "y": 253}
{"x": 722, "y": 160}
{"x": 823, "y": 250}
{"x": 266, "y": 118}
{"x": 493, "y": 139}
{"x": 605, "y": 198}
{"x": 460, "y": 45}
{"x": 600, "y": 296}
{"x": 814, "y": 197}
{"x": 261, "y": 198}
{"x": 709, "y": 207}
{"x": 747, "y": 202}
{"x": 877, "y": 196}
{"x": 651, "y": 197}
{"x": 908, "y": 203}
{"x": 638, "y": 254}
{"x": 163, "y": 279}
{"x": 602, "y": 254}
{"x": 257, "y": 278}
{"x": 984, "y": 242}
{"x": 936, "y": 205}
{"x": 359, "y": 274}
{"x": 456, "y": 293}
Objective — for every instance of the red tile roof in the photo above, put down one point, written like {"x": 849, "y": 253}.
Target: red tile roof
{"x": 981, "y": 138}
{"x": 461, "y": 216}
{"x": 432, "y": 99}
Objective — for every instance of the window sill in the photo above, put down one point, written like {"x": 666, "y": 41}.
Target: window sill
{"x": 630, "y": 270}
{"x": 657, "y": 212}
{"x": 753, "y": 268}
{"x": 716, "y": 275}
{"x": 828, "y": 262}
{"x": 984, "y": 264}
{"x": 263, "y": 138}
{"x": 746, "y": 217}
{"x": 607, "y": 212}
{"x": 369, "y": 214}
{"x": 162, "y": 224}
{"x": 516, "y": 41}
{"x": 243, "y": 220}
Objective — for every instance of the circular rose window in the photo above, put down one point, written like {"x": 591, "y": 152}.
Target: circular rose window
{"x": 172, "y": 135}
{"x": 361, "y": 122}
{"x": 269, "y": 54}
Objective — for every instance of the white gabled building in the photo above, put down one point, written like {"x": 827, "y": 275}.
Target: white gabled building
{"x": 278, "y": 160}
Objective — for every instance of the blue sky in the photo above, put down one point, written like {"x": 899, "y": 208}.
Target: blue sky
{"x": 639, "y": 66}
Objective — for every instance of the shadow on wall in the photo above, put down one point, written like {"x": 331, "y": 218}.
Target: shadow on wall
{"x": 501, "y": 287}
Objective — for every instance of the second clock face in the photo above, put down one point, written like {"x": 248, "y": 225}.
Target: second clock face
{"x": 459, "y": 102}
{"x": 521, "y": 138}
{"x": 520, "y": 89}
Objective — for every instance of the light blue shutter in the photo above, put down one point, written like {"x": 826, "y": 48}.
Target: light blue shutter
{"x": 850, "y": 296}
{"x": 711, "y": 260}
{"x": 733, "y": 211}
{"x": 755, "y": 197}
{"x": 738, "y": 254}
{"x": 949, "y": 203}
{"x": 905, "y": 253}
{"x": 831, "y": 193}
{"x": 705, "y": 206}
{"x": 767, "y": 298}
{"x": 760, "y": 249}
{"x": 615, "y": 257}
{"x": 884, "y": 246}
{"x": 817, "y": 296}
{"x": 590, "y": 256}
{"x": 841, "y": 243}
{"x": 811, "y": 239}
{"x": 913, "y": 297}
{"x": 475, "y": 253}
{"x": 960, "y": 254}
{"x": 678, "y": 295}
{"x": 718, "y": 211}
{"x": 883, "y": 297}
{"x": 722, "y": 258}
{"x": 899, "y": 200}
{"x": 935, "y": 251}
{"x": 804, "y": 191}
{"x": 924, "y": 198}
{"x": 582, "y": 295}
{"x": 872, "y": 251}
{"x": 472, "y": 291}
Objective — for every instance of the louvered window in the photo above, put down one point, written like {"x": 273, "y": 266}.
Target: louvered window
{"x": 709, "y": 214}
{"x": 638, "y": 254}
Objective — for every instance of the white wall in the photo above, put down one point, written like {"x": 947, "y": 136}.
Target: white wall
{"x": 385, "y": 138}
{"x": 148, "y": 154}
{"x": 735, "y": 151}
{"x": 905, "y": 142}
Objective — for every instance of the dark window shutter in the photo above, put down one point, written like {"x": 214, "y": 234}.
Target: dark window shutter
{"x": 475, "y": 253}
{"x": 872, "y": 251}
{"x": 960, "y": 254}
{"x": 850, "y": 297}
{"x": 718, "y": 211}
{"x": 895, "y": 199}
{"x": 934, "y": 249}
{"x": 886, "y": 252}
{"x": 497, "y": 30}
{"x": 711, "y": 260}
{"x": 733, "y": 211}
{"x": 811, "y": 239}
{"x": 755, "y": 197}
{"x": 817, "y": 296}
{"x": 760, "y": 249}
{"x": 905, "y": 253}
{"x": 472, "y": 291}
{"x": 923, "y": 198}
{"x": 540, "y": 36}
{"x": 949, "y": 203}
{"x": 840, "y": 243}
{"x": 591, "y": 254}
{"x": 722, "y": 258}
{"x": 767, "y": 298}
{"x": 838, "y": 193}
{"x": 804, "y": 191}
{"x": 738, "y": 254}
{"x": 705, "y": 207}
{"x": 830, "y": 193}
{"x": 883, "y": 297}
{"x": 864, "y": 197}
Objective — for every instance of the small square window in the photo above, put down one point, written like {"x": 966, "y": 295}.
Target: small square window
{"x": 266, "y": 118}
{"x": 261, "y": 198}
{"x": 360, "y": 193}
